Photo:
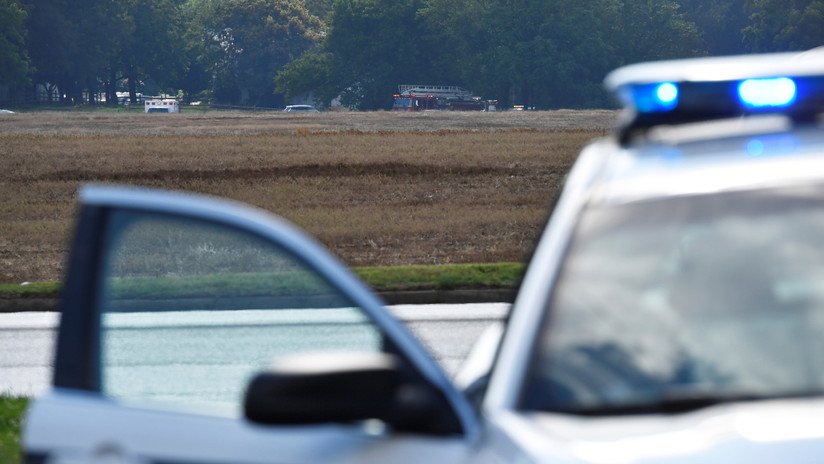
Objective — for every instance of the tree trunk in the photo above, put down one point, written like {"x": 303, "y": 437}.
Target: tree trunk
{"x": 76, "y": 93}
{"x": 111, "y": 87}
{"x": 132, "y": 86}
{"x": 526, "y": 97}
{"x": 92, "y": 86}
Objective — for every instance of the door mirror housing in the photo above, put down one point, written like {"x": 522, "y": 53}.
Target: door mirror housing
{"x": 320, "y": 388}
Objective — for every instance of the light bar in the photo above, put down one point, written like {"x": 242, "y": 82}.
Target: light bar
{"x": 669, "y": 93}
{"x": 767, "y": 93}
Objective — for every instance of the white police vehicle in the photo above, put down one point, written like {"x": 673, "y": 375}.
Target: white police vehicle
{"x": 672, "y": 311}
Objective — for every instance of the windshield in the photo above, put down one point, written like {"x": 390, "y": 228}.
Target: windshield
{"x": 691, "y": 299}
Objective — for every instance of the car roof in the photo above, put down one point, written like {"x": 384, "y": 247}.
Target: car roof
{"x": 719, "y": 68}
{"x": 703, "y": 89}
{"x": 696, "y": 146}
{"x": 656, "y": 170}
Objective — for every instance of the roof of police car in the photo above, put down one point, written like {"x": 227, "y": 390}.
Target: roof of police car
{"x": 689, "y": 161}
{"x": 690, "y": 128}
{"x": 719, "y": 68}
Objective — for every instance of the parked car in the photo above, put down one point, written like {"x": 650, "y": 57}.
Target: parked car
{"x": 300, "y": 108}
{"x": 671, "y": 312}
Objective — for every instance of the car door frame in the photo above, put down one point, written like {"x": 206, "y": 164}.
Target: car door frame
{"x": 77, "y": 362}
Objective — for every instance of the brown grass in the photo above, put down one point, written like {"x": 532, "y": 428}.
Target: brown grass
{"x": 377, "y": 188}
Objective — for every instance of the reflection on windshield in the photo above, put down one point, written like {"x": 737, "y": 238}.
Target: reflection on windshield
{"x": 699, "y": 297}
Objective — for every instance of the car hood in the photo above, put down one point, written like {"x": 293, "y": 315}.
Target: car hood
{"x": 755, "y": 432}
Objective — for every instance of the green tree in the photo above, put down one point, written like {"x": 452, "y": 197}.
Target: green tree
{"x": 463, "y": 35}
{"x": 555, "y": 53}
{"x": 645, "y": 30}
{"x": 720, "y": 24}
{"x": 542, "y": 53}
{"x": 91, "y": 26}
{"x": 370, "y": 48}
{"x": 195, "y": 79}
{"x": 313, "y": 73}
{"x": 151, "y": 46}
{"x": 51, "y": 44}
{"x": 14, "y": 61}
{"x": 376, "y": 45}
{"x": 784, "y": 25}
{"x": 245, "y": 42}
{"x": 319, "y": 8}
{"x": 70, "y": 43}
{"x": 562, "y": 60}
{"x": 96, "y": 44}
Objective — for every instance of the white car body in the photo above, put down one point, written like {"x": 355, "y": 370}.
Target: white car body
{"x": 300, "y": 109}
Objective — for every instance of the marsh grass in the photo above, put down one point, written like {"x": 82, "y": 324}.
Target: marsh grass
{"x": 376, "y": 188}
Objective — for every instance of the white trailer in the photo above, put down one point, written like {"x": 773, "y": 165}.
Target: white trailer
{"x": 161, "y": 106}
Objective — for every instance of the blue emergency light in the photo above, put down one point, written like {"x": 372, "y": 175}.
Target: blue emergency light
{"x": 750, "y": 94}
{"x": 766, "y": 93}
{"x": 705, "y": 89}
{"x": 667, "y": 94}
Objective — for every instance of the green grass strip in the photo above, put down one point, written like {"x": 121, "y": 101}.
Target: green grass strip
{"x": 442, "y": 277}
{"x": 380, "y": 278}
{"x": 11, "y": 418}
{"x": 49, "y": 289}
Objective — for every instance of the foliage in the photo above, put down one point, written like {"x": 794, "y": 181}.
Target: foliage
{"x": 14, "y": 60}
{"x": 374, "y": 46}
{"x": 648, "y": 30}
{"x": 89, "y": 44}
{"x": 319, "y": 8}
{"x": 152, "y": 48}
{"x": 313, "y": 72}
{"x": 784, "y": 25}
{"x": 544, "y": 55}
{"x": 720, "y": 24}
{"x": 541, "y": 53}
{"x": 51, "y": 43}
{"x": 245, "y": 42}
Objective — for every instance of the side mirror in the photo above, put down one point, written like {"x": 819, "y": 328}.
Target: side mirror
{"x": 318, "y": 388}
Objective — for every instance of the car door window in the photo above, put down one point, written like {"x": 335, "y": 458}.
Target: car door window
{"x": 190, "y": 310}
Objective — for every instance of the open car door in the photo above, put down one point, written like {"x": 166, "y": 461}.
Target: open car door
{"x": 172, "y": 309}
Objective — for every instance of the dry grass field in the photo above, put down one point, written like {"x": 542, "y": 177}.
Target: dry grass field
{"x": 376, "y": 188}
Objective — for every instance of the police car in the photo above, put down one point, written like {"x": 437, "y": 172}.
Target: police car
{"x": 671, "y": 312}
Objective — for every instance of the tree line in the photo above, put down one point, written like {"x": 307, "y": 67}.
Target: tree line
{"x": 538, "y": 53}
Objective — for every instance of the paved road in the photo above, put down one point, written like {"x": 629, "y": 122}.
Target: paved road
{"x": 27, "y": 339}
